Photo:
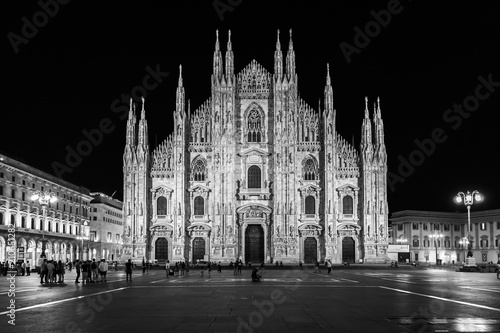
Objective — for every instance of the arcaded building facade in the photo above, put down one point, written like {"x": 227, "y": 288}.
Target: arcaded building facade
{"x": 256, "y": 173}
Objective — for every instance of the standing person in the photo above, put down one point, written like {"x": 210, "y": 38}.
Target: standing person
{"x": 167, "y": 268}
{"x": 202, "y": 269}
{"x": 183, "y": 268}
{"x": 240, "y": 264}
{"x": 43, "y": 271}
{"x": 23, "y": 268}
{"x": 143, "y": 266}
{"x": 70, "y": 266}
{"x": 60, "y": 272}
{"x": 209, "y": 268}
{"x": 77, "y": 267}
{"x": 219, "y": 268}
{"x": 94, "y": 271}
{"x": 116, "y": 265}
{"x": 103, "y": 269}
{"x": 329, "y": 265}
{"x": 50, "y": 271}
{"x": 85, "y": 272}
{"x": 28, "y": 268}
{"x": 128, "y": 269}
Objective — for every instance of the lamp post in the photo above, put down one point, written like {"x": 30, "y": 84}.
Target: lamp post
{"x": 44, "y": 198}
{"x": 435, "y": 237}
{"x": 464, "y": 242}
{"x": 468, "y": 200}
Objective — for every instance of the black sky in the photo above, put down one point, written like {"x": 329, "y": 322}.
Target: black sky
{"x": 64, "y": 79}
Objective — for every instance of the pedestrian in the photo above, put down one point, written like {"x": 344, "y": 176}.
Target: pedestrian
{"x": 183, "y": 268}
{"x": 50, "y": 271}
{"x": 77, "y": 267}
{"x": 23, "y": 268}
{"x": 316, "y": 267}
{"x": 143, "y": 266}
{"x": 329, "y": 265}
{"x": 219, "y": 268}
{"x": 116, "y": 265}
{"x": 128, "y": 269}
{"x": 209, "y": 268}
{"x": 60, "y": 271}
{"x": 28, "y": 268}
{"x": 498, "y": 269}
{"x": 85, "y": 272}
{"x": 94, "y": 270}
{"x": 240, "y": 264}
{"x": 167, "y": 268}
{"x": 103, "y": 269}
{"x": 202, "y": 270}
{"x": 43, "y": 271}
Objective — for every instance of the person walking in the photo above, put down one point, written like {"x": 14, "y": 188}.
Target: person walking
{"x": 103, "y": 269}
{"x": 85, "y": 272}
{"x": 329, "y": 265}
{"x": 116, "y": 265}
{"x": 143, "y": 266}
{"x": 316, "y": 267}
{"x": 77, "y": 268}
{"x": 183, "y": 268}
{"x": 209, "y": 268}
{"x": 128, "y": 269}
{"x": 219, "y": 268}
{"x": 202, "y": 269}
{"x": 60, "y": 271}
{"x": 240, "y": 264}
{"x": 94, "y": 271}
{"x": 28, "y": 268}
{"x": 167, "y": 268}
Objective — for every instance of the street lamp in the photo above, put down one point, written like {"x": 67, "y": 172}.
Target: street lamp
{"x": 44, "y": 198}
{"x": 468, "y": 200}
{"x": 464, "y": 242}
{"x": 435, "y": 237}
{"x": 401, "y": 240}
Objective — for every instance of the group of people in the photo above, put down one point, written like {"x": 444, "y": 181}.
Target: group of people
{"x": 91, "y": 270}
{"x": 52, "y": 271}
{"x": 174, "y": 269}
{"x": 22, "y": 267}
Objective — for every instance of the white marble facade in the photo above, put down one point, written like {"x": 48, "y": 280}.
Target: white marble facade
{"x": 256, "y": 173}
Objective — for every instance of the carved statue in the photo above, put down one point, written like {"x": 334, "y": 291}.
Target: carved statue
{"x": 330, "y": 230}
{"x": 180, "y": 159}
{"x": 180, "y": 210}
{"x": 218, "y": 231}
{"x": 179, "y": 232}
{"x": 381, "y": 230}
{"x": 291, "y": 231}
{"x": 278, "y": 230}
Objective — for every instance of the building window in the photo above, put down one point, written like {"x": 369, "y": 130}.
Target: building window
{"x": 310, "y": 205}
{"x": 254, "y": 177}
{"x": 24, "y": 182}
{"x": 436, "y": 226}
{"x": 498, "y": 224}
{"x": 33, "y": 185}
{"x": 64, "y": 228}
{"x": 23, "y": 221}
{"x": 13, "y": 220}
{"x": 117, "y": 238}
{"x": 426, "y": 243}
{"x": 199, "y": 206}
{"x": 41, "y": 225}
{"x": 347, "y": 207}
{"x": 400, "y": 227}
{"x": 456, "y": 227}
{"x": 161, "y": 206}
{"x": 49, "y": 227}
{"x": 1, "y": 218}
{"x": 32, "y": 223}
{"x": 446, "y": 227}
{"x": 70, "y": 209}
{"x": 425, "y": 226}
{"x": 484, "y": 243}
{"x": 447, "y": 243}
{"x": 1, "y": 190}
{"x": 13, "y": 179}
{"x": 415, "y": 242}
{"x": 483, "y": 226}
{"x": 414, "y": 226}
{"x": 13, "y": 193}
{"x": 496, "y": 242}
{"x": 309, "y": 169}
{"x": 57, "y": 227}
{"x": 94, "y": 218}
{"x": 199, "y": 170}
{"x": 254, "y": 124}
{"x": 1, "y": 174}
{"x": 109, "y": 238}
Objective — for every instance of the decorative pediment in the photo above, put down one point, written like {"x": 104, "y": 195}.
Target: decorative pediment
{"x": 199, "y": 188}
{"x": 309, "y": 189}
{"x": 347, "y": 189}
{"x": 161, "y": 190}
{"x": 310, "y": 230}
{"x": 254, "y": 81}
{"x": 349, "y": 226}
{"x": 253, "y": 209}
{"x": 254, "y": 151}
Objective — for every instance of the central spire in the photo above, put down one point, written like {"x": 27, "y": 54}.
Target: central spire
{"x": 278, "y": 59}
{"x": 290, "y": 58}
{"x": 217, "y": 68}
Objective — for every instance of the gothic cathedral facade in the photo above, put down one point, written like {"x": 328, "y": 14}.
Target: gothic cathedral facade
{"x": 256, "y": 174}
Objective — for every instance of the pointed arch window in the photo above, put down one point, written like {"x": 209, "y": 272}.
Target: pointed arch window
{"x": 254, "y": 177}
{"x": 161, "y": 206}
{"x": 309, "y": 169}
{"x": 347, "y": 205}
{"x": 199, "y": 170}
{"x": 199, "y": 206}
{"x": 254, "y": 126}
{"x": 310, "y": 205}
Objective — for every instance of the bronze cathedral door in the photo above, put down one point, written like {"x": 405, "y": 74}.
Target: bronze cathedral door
{"x": 198, "y": 249}
{"x": 254, "y": 244}
{"x": 310, "y": 250}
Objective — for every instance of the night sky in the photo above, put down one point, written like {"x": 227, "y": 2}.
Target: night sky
{"x": 68, "y": 76}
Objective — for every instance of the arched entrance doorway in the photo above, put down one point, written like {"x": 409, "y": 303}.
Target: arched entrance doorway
{"x": 348, "y": 249}
{"x": 310, "y": 250}
{"x": 198, "y": 249}
{"x": 161, "y": 249}
{"x": 254, "y": 244}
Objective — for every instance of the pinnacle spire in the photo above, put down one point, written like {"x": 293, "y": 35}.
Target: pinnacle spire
{"x": 328, "y": 80}
{"x": 180, "y": 76}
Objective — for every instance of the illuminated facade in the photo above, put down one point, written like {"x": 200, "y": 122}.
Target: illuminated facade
{"x": 256, "y": 173}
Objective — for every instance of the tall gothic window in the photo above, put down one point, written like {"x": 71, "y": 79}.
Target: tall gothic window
{"x": 199, "y": 206}
{"x": 254, "y": 127}
{"x": 254, "y": 177}
{"x": 199, "y": 170}
{"x": 347, "y": 205}
{"x": 310, "y": 205}
{"x": 161, "y": 206}
{"x": 309, "y": 169}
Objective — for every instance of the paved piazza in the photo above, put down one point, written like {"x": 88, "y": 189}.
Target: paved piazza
{"x": 287, "y": 300}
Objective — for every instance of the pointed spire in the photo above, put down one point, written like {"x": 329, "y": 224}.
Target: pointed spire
{"x": 143, "y": 112}
{"x": 328, "y": 80}
{"x": 290, "y": 58}
{"x": 278, "y": 59}
{"x": 366, "y": 135}
{"x": 229, "y": 60}
{"x": 143, "y": 129}
{"x": 367, "y": 115}
{"x": 131, "y": 127}
{"x": 328, "y": 91}
{"x": 217, "y": 66}
{"x": 180, "y": 76}
{"x": 180, "y": 99}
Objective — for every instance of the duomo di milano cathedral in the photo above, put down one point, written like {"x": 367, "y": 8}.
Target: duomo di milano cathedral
{"x": 256, "y": 174}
